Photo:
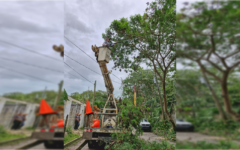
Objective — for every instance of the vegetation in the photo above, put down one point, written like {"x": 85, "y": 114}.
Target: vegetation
{"x": 100, "y": 97}
{"x": 210, "y": 40}
{"x": 130, "y": 117}
{"x": 36, "y": 96}
{"x": 205, "y": 145}
{"x": 5, "y": 136}
{"x": 70, "y": 136}
{"x": 147, "y": 39}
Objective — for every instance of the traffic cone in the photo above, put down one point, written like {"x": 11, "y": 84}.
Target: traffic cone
{"x": 88, "y": 108}
{"x": 96, "y": 124}
{"x": 60, "y": 123}
{"x": 45, "y": 108}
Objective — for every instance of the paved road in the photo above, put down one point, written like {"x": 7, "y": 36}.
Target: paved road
{"x": 23, "y": 143}
{"x": 146, "y": 136}
{"x": 194, "y": 137}
{"x": 149, "y": 136}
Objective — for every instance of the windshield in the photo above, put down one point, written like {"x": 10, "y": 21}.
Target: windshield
{"x": 144, "y": 120}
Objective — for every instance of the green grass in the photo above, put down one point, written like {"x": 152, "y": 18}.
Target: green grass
{"x": 70, "y": 137}
{"x": 7, "y": 136}
{"x": 205, "y": 145}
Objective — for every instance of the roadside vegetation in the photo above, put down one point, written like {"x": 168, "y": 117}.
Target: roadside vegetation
{"x": 5, "y": 136}
{"x": 206, "y": 145}
{"x": 70, "y": 135}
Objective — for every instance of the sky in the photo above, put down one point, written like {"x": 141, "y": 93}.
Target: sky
{"x": 36, "y": 26}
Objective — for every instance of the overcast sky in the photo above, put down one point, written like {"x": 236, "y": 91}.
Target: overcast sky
{"x": 85, "y": 21}
{"x": 37, "y": 26}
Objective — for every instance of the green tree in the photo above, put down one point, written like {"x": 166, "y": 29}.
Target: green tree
{"x": 210, "y": 38}
{"x": 149, "y": 39}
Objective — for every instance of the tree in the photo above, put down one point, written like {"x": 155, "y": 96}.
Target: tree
{"x": 210, "y": 38}
{"x": 148, "y": 38}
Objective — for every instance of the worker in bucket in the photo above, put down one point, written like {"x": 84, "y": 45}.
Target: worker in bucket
{"x": 108, "y": 43}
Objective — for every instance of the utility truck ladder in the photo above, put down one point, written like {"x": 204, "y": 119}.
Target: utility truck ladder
{"x": 103, "y": 56}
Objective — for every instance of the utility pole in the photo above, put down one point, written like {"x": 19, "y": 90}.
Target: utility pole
{"x": 94, "y": 94}
{"x": 58, "y": 96}
{"x": 135, "y": 95}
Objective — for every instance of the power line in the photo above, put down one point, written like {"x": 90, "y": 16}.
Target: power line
{"x": 80, "y": 48}
{"x": 31, "y": 51}
{"x": 87, "y": 54}
{"x": 27, "y": 75}
{"x": 30, "y": 64}
{"x": 78, "y": 73}
{"x": 87, "y": 67}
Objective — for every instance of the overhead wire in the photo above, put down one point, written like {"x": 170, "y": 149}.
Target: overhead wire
{"x": 30, "y": 64}
{"x": 78, "y": 73}
{"x": 86, "y": 54}
{"x": 87, "y": 67}
{"x": 27, "y": 75}
{"x": 30, "y": 50}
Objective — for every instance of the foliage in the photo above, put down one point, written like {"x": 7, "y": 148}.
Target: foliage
{"x": 205, "y": 145}
{"x": 36, "y": 96}
{"x": 208, "y": 38}
{"x": 69, "y": 130}
{"x": 100, "y": 97}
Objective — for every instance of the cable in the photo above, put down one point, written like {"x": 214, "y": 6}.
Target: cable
{"x": 30, "y": 64}
{"x": 82, "y": 64}
{"x": 27, "y": 75}
{"x": 87, "y": 67}
{"x": 78, "y": 73}
{"x": 86, "y": 54}
{"x": 30, "y": 50}
{"x": 79, "y": 48}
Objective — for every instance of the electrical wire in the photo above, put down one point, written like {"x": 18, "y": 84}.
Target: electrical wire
{"x": 30, "y": 64}
{"x": 87, "y": 67}
{"x": 27, "y": 75}
{"x": 31, "y": 51}
{"x": 78, "y": 73}
{"x": 86, "y": 54}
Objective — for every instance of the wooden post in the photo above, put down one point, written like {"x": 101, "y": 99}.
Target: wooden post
{"x": 65, "y": 124}
{"x": 94, "y": 93}
{"x": 58, "y": 96}
{"x": 135, "y": 95}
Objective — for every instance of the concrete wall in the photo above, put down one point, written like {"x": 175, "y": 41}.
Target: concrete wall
{"x": 71, "y": 108}
{"x": 9, "y": 107}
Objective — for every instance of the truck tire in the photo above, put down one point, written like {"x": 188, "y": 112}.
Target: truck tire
{"x": 54, "y": 144}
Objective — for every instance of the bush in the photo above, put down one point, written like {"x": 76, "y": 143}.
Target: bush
{"x": 69, "y": 130}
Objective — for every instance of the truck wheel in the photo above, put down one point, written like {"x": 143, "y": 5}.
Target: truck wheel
{"x": 54, "y": 144}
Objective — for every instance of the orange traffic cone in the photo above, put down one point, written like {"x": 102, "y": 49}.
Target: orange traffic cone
{"x": 45, "y": 108}
{"x": 96, "y": 124}
{"x": 60, "y": 123}
{"x": 88, "y": 108}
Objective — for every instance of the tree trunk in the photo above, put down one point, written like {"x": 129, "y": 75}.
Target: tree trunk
{"x": 226, "y": 99}
{"x": 165, "y": 102}
{"x": 216, "y": 100}
{"x": 161, "y": 102}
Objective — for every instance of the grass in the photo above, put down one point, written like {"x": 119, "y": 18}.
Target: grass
{"x": 7, "y": 136}
{"x": 70, "y": 137}
{"x": 205, "y": 145}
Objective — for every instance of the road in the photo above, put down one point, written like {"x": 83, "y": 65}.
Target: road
{"x": 194, "y": 137}
{"x": 146, "y": 136}
{"x": 23, "y": 143}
